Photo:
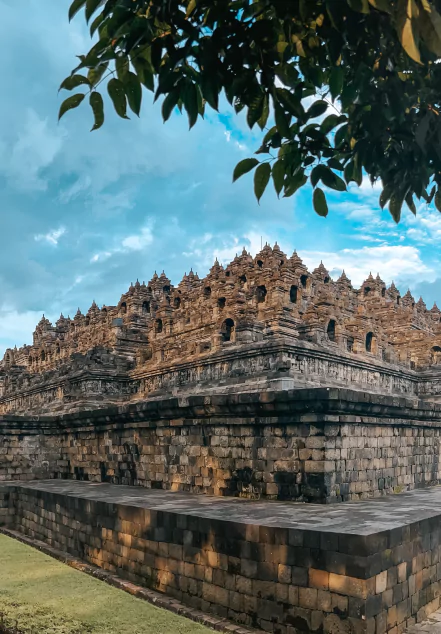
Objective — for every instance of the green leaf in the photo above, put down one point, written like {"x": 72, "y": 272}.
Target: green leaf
{"x": 317, "y": 109}
{"x": 73, "y": 82}
{"x": 97, "y": 105}
{"x": 349, "y": 172}
{"x": 75, "y": 7}
{"x": 91, "y": 6}
{"x": 340, "y": 135}
{"x": 261, "y": 179}
{"x": 429, "y": 25}
{"x": 265, "y": 113}
{"x": 282, "y": 122}
{"x": 335, "y": 165}
{"x": 357, "y": 173}
{"x": 144, "y": 71}
{"x": 331, "y": 122}
{"x": 405, "y": 28}
{"x": 334, "y": 182}
{"x": 117, "y": 94}
{"x": 170, "y": 103}
{"x": 96, "y": 23}
{"x": 395, "y": 205}
{"x": 381, "y": 5}
{"x": 336, "y": 80}
{"x": 255, "y": 110}
{"x": 385, "y": 196}
{"x": 244, "y": 167}
{"x": 319, "y": 202}
{"x": 210, "y": 90}
{"x": 287, "y": 74}
{"x": 133, "y": 91}
{"x": 122, "y": 67}
{"x": 70, "y": 103}
{"x": 437, "y": 199}
{"x": 278, "y": 174}
{"x": 190, "y": 99}
{"x": 315, "y": 175}
{"x": 361, "y": 6}
{"x": 95, "y": 74}
{"x": 292, "y": 102}
{"x": 190, "y": 8}
{"x": 294, "y": 183}
{"x": 410, "y": 203}
{"x": 328, "y": 178}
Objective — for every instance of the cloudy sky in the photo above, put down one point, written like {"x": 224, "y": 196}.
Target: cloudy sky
{"x": 83, "y": 214}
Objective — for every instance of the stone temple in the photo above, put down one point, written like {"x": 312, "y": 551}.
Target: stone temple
{"x": 299, "y": 405}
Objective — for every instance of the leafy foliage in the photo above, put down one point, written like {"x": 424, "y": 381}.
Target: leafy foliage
{"x": 367, "y": 69}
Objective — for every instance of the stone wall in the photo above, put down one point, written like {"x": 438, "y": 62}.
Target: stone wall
{"x": 8, "y": 506}
{"x": 278, "y": 578}
{"x": 312, "y": 445}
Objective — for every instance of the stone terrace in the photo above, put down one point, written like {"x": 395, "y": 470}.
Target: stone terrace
{"x": 369, "y": 566}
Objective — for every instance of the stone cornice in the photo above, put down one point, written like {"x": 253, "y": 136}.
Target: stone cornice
{"x": 304, "y": 406}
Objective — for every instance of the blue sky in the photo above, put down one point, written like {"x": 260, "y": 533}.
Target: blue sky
{"x": 84, "y": 214}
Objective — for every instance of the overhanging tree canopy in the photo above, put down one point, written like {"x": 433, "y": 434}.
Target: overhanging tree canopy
{"x": 367, "y": 68}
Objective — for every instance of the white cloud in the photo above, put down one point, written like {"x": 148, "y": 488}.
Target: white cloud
{"x": 137, "y": 242}
{"x": 130, "y": 243}
{"x": 392, "y": 262}
{"x": 23, "y": 158}
{"x": 52, "y": 237}
{"x": 17, "y": 327}
{"x": 400, "y": 263}
{"x": 99, "y": 257}
{"x": 203, "y": 251}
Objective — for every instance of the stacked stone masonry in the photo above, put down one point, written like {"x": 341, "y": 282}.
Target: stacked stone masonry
{"x": 315, "y": 445}
{"x": 265, "y": 569}
{"x": 259, "y": 323}
{"x": 235, "y": 385}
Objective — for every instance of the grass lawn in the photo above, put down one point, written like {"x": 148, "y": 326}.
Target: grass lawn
{"x": 52, "y": 598}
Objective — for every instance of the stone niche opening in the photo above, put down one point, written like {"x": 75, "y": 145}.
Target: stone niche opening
{"x": 227, "y": 330}
{"x": 371, "y": 343}
{"x": 293, "y": 294}
{"x": 330, "y": 330}
{"x": 436, "y": 355}
{"x": 261, "y": 294}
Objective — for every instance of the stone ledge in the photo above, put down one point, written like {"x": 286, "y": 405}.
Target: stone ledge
{"x": 364, "y": 526}
{"x": 289, "y": 406}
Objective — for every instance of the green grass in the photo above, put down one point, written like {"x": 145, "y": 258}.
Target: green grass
{"x": 51, "y": 598}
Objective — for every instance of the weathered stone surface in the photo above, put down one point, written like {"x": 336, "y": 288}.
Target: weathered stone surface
{"x": 260, "y": 323}
{"x": 316, "y": 445}
{"x": 197, "y": 549}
